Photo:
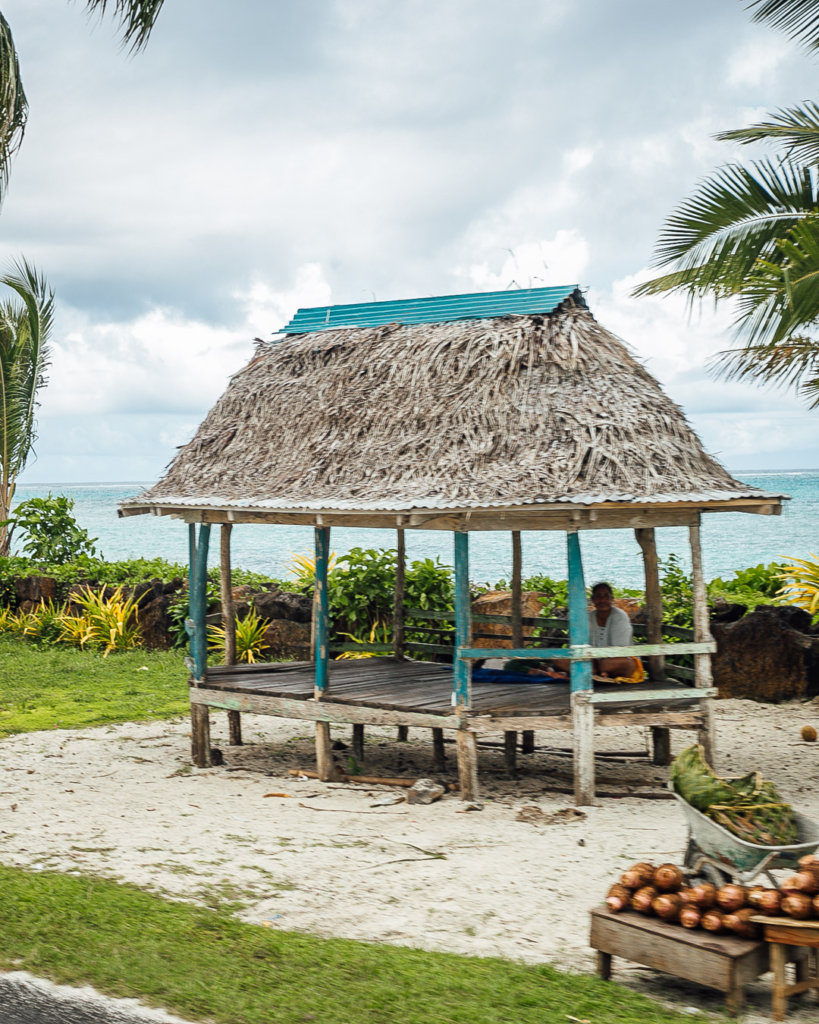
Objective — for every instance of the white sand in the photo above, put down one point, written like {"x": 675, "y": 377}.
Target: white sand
{"x": 123, "y": 802}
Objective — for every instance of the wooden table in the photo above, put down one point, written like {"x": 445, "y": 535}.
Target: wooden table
{"x": 723, "y": 962}
{"x": 781, "y": 932}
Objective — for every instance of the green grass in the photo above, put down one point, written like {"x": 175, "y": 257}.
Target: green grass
{"x": 53, "y": 687}
{"x": 205, "y": 964}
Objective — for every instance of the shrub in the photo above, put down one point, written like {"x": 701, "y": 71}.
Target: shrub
{"x": 250, "y": 642}
{"x": 109, "y": 622}
{"x": 52, "y": 532}
{"x": 802, "y": 584}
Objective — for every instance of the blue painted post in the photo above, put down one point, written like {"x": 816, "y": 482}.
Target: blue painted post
{"x": 322, "y": 609}
{"x": 462, "y": 669}
{"x": 580, "y": 671}
{"x": 199, "y": 601}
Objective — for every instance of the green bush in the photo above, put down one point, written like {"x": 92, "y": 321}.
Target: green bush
{"x": 758, "y": 584}
{"x": 52, "y": 534}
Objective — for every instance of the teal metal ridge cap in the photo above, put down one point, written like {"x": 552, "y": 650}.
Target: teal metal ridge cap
{"x": 431, "y": 309}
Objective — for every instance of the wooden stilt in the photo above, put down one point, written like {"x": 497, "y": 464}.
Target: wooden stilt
{"x": 398, "y": 607}
{"x": 510, "y": 753}
{"x": 200, "y": 736}
{"x": 660, "y": 737}
{"x": 234, "y": 728}
{"x": 438, "y": 750}
{"x": 467, "y": 748}
{"x": 583, "y": 743}
{"x": 358, "y": 742}
{"x": 527, "y": 745}
{"x": 403, "y": 733}
{"x": 702, "y": 634}
{"x": 325, "y": 766}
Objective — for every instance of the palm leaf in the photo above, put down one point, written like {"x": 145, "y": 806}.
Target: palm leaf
{"x": 13, "y": 104}
{"x": 799, "y": 18}
{"x": 136, "y": 17}
{"x": 797, "y": 129}
{"x": 734, "y": 218}
{"x": 25, "y": 329}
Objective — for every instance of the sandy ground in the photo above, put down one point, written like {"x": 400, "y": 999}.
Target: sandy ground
{"x": 338, "y": 860}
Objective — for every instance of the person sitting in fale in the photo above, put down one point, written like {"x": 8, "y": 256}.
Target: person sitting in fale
{"x": 609, "y": 626}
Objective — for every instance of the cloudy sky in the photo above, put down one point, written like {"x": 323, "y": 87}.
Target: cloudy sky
{"x": 268, "y": 154}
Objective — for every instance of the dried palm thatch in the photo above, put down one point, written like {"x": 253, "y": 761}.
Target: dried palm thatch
{"x": 490, "y": 413}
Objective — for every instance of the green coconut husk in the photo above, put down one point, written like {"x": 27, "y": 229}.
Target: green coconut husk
{"x": 750, "y": 806}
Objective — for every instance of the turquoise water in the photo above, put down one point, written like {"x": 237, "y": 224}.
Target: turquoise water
{"x": 731, "y": 540}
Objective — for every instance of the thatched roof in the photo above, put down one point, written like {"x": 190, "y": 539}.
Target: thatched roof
{"x": 507, "y": 421}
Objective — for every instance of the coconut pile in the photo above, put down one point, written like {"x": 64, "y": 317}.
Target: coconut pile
{"x": 513, "y": 875}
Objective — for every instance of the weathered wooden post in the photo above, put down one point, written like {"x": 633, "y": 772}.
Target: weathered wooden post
{"x": 398, "y": 611}
{"x": 197, "y": 630}
{"x": 324, "y": 758}
{"x": 702, "y": 634}
{"x": 510, "y": 738}
{"x": 660, "y": 737}
{"x": 466, "y": 742}
{"x": 229, "y": 624}
{"x": 580, "y": 674}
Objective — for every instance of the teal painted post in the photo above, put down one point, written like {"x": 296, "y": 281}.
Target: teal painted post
{"x": 462, "y": 669}
{"x": 322, "y": 609}
{"x": 580, "y": 671}
{"x": 199, "y": 601}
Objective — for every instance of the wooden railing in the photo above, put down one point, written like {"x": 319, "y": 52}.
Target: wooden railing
{"x": 553, "y": 632}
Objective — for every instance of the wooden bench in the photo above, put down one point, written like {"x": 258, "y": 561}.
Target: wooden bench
{"x": 783, "y": 934}
{"x": 723, "y": 962}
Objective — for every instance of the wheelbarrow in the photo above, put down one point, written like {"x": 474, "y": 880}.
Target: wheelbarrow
{"x": 719, "y": 856}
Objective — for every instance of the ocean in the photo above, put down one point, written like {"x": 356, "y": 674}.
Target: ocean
{"x": 730, "y": 541}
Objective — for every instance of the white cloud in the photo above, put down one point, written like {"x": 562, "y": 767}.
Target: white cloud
{"x": 758, "y": 59}
{"x": 560, "y": 260}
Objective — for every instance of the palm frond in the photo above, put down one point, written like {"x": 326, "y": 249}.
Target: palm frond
{"x": 734, "y": 218}
{"x": 136, "y": 18}
{"x": 799, "y": 18}
{"x": 13, "y": 104}
{"x": 796, "y": 128}
{"x": 25, "y": 331}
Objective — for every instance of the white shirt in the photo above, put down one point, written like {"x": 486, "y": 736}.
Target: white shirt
{"x": 617, "y": 631}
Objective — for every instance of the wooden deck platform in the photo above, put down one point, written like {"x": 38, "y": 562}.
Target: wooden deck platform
{"x": 387, "y": 692}
{"x": 411, "y": 690}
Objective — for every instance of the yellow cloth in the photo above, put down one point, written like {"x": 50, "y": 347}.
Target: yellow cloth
{"x": 637, "y": 676}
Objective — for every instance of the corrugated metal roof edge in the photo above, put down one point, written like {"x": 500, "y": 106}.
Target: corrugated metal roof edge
{"x": 214, "y": 502}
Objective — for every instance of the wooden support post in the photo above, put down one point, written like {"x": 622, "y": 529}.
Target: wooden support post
{"x": 228, "y": 609}
{"x": 197, "y": 583}
{"x": 660, "y": 736}
{"x": 702, "y": 634}
{"x": 197, "y": 629}
{"x": 200, "y": 736}
{"x": 580, "y": 673}
{"x": 398, "y": 608}
{"x": 466, "y": 745}
{"x": 462, "y": 669}
{"x": 403, "y": 733}
{"x": 322, "y": 611}
{"x": 517, "y": 596}
{"x": 229, "y": 624}
{"x": 325, "y": 766}
{"x": 527, "y": 745}
{"x": 438, "y": 750}
{"x": 358, "y": 742}
{"x": 510, "y": 753}
{"x": 583, "y": 744}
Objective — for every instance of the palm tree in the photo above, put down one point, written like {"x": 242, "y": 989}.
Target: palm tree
{"x": 136, "y": 18}
{"x": 751, "y": 234}
{"x": 25, "y": 328}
